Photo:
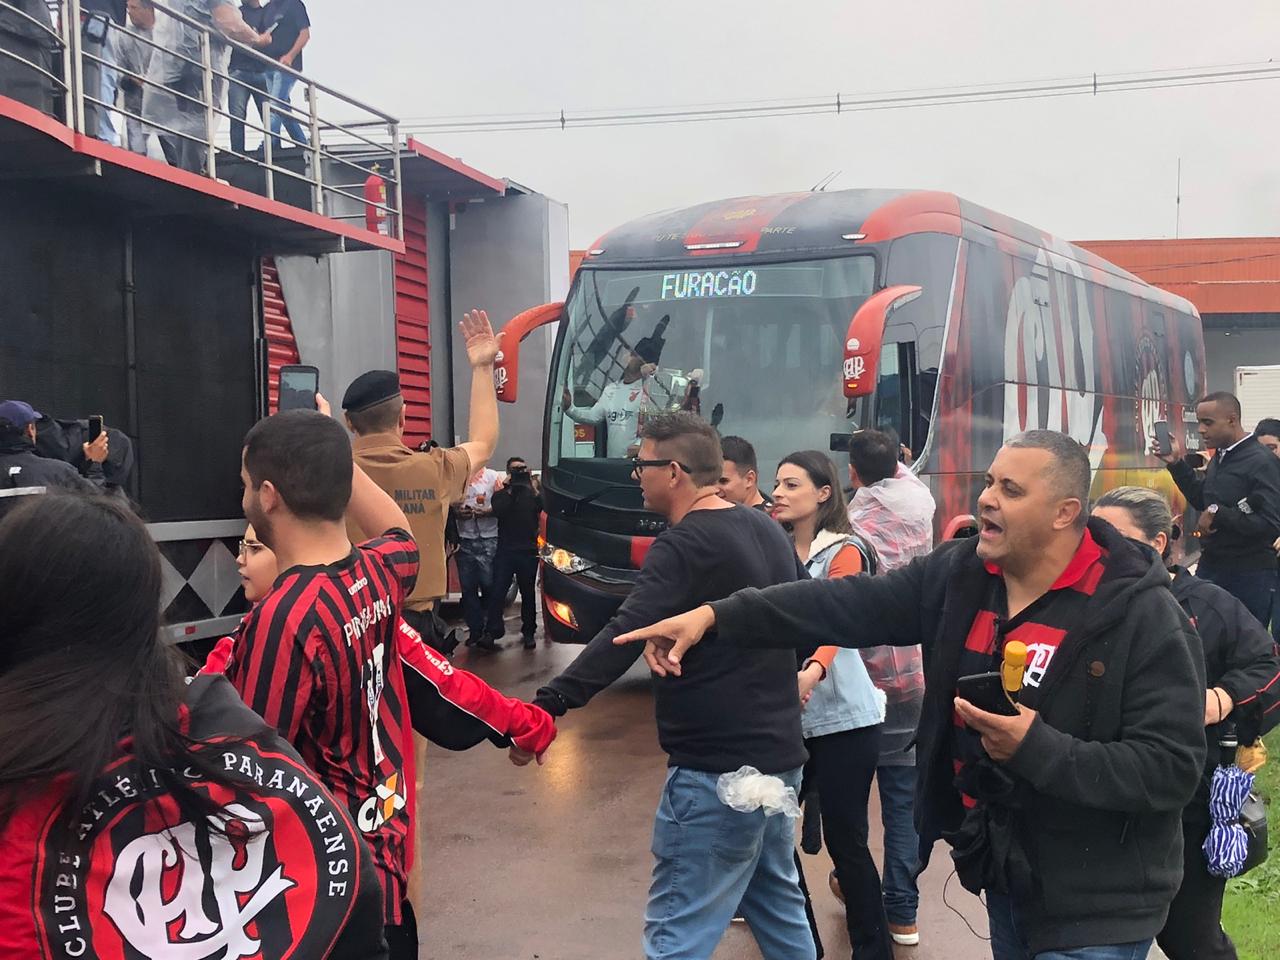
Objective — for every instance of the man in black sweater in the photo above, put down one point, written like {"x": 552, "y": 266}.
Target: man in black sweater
{"x": 1067, "y": 815}
{"x": 738, "y": 708}
{"x": 518, "y": 508}
{"x": 1239, "y": 504}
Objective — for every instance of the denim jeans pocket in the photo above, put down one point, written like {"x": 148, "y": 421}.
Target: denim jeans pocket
{"x": 739, "y": 836}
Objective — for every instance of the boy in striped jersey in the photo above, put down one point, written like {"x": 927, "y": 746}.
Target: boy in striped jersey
{"x": 317, "y": 659}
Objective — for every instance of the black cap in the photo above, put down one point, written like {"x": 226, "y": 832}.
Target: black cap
{"x": 370, "y": 389}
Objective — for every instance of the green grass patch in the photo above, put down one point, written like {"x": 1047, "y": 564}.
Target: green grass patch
{"x": 1251, "y": 910}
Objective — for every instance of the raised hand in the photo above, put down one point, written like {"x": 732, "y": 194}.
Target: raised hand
{"x": 477, "y": 334}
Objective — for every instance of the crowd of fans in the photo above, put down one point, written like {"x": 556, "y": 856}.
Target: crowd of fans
{"x": 142, "y": 71}
{"x": 1083, "y": 813}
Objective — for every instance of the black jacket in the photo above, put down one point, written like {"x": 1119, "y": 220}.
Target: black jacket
{"x": 1239, "y": 655}
{"x": 1105, "y": 770}
{"x": 518, "y": 508}
{"x": 21, "y": 468}
{"x": 1250, "y": 474}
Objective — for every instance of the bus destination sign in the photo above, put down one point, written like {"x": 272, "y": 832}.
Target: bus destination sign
{"x": 703, "y": 284}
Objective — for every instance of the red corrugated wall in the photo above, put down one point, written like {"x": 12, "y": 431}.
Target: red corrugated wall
{"x": 282, "y": 348}
{"x": 413, "y": 324}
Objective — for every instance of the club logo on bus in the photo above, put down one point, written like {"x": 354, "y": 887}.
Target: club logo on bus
{"x": 1050, "y": 361}
{"x": 1151, "y": 405}
{"x": 854, "y": 368}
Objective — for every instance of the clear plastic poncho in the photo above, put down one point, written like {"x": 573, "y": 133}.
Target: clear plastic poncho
{"x": 169, "y": 75}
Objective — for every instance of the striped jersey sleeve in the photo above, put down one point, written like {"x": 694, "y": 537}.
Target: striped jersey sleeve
{"x": 398, "y": 551}
{"x": 272, "y": 667}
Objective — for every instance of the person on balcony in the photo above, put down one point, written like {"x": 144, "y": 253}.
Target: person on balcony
{"x": 101, "y": 30}
{"x": 133, "y": 57}
{"x": 173, "y": 101}
{"x": 289, "y": 30}
{"x": 248, "y": 76}
{"x": 26, "y": 53}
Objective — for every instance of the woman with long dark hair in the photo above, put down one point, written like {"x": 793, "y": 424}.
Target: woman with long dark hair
{"x": 1240, "y": 662}
{"x": 140, "y": 814}
{"x": 843, "y": 711}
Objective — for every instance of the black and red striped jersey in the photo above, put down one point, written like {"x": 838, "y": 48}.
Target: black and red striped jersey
{"x": 318, "y": 659}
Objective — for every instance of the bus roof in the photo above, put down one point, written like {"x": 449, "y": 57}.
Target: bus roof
{"x": 814, "y": 225}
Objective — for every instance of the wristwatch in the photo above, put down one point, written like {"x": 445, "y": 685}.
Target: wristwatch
{"x": 1211, "y": 509}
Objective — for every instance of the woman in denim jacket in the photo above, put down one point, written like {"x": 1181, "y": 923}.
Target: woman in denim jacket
{"x": 843, "y": 711}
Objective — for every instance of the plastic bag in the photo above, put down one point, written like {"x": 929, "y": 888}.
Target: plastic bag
{"x": 747, "y": 790}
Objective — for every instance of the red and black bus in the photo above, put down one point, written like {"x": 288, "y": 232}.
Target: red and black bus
{"x": 803, "y": 316}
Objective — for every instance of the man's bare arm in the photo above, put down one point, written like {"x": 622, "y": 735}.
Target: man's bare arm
{"x": 482, "y": 425}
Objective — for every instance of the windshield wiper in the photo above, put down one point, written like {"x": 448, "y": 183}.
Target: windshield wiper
{"x": 591, "y": 497}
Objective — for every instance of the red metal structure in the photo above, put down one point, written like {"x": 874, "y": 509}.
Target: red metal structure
{"x": 413, "y": 323}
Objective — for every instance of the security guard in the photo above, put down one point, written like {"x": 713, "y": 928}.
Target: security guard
{"x": 22, "y": 471}
{"x": 424, "y": 483}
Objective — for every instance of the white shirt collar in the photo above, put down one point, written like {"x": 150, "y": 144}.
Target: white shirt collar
{"x": 1226, "y": 450}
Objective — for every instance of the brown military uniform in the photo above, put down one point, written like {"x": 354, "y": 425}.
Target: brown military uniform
{"x": 423, "y": 484}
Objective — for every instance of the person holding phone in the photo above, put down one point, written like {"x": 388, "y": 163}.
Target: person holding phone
{"x": 22, "y": 469}
{"x": 1239, "y": 502}
{"x": 1068, "y": 815}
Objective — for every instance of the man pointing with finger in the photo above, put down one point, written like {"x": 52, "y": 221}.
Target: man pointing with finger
{"x": 1066, "y": 815}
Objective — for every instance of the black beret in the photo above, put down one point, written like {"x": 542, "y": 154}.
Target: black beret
{"x": 370, "y": 389}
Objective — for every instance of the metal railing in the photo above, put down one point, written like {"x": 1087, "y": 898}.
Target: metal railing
{"x": 169, "y": 85}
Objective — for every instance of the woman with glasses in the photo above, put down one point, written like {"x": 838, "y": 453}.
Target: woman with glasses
{"x": 843, "y": 711}
{"x": 450, "y": 707}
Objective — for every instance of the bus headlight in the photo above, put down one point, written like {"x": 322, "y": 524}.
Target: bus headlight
{"x": 564, "y": 561}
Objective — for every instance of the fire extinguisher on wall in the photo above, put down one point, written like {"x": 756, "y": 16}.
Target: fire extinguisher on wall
{"x": 375, "y": 203}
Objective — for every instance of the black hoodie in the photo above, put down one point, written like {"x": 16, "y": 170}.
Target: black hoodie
{"x": 1105, "y": 770}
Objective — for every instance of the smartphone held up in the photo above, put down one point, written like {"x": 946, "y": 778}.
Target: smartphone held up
{"x": 299, "y": 385}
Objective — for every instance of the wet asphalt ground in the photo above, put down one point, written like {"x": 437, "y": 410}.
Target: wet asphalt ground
{"x": 552, "y": 862}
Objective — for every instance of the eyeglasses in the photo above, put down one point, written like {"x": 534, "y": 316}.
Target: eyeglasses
{"x": 249, "y": 546}
{"x": 638, "y": 465}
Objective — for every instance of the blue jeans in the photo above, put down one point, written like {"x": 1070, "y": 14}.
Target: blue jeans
{"x": 1009, "y": 940}
{"x": 711, "y": 859}
{"x": 245, "y": 85}
{"x": 901, "y": 844}
{"x": 280, "y": 86}
{"x": 475, "y": 576}
{"x": 1256, "y": 589}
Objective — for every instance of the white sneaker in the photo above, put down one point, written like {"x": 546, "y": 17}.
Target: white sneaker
{"x": 904, "y": 935}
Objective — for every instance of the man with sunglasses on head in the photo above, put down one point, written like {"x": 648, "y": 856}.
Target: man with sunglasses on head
{"x": 741, "y": 710}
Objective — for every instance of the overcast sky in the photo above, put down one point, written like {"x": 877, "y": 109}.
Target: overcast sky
{"x": 1083, "y": 168}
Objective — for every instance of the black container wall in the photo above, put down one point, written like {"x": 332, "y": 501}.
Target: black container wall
{"x": 173, "y": 368}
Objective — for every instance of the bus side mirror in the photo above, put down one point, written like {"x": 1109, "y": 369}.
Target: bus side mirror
{"x": 866, "y": 332}
{"x": 506, "y": 368}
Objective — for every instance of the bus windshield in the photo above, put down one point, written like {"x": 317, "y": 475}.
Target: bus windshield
{"x": 757, "y": 350}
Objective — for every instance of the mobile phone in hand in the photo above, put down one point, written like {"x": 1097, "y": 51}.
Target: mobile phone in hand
{"x": 95, "y": 427}
{"x": 299, "y": 385}
{"x": 986, "y": 692}
{"x": 1164, "y": 439}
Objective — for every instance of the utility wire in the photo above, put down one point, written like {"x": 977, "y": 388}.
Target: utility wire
{"x": 1090, "y": 85}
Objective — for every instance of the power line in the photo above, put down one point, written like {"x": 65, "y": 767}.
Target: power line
{"x": 1091, "y": 85}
